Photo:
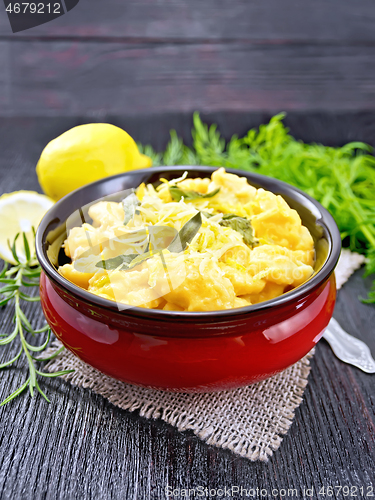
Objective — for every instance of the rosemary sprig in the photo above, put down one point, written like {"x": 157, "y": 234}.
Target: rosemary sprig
{"x": 16, "y": 279}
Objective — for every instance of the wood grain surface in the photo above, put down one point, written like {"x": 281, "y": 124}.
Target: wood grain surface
{"x": 69, "y": 78}
{"x": 269, "y": 20}
{"x": 82, "y": 447}
{"x": 145, "y": 58}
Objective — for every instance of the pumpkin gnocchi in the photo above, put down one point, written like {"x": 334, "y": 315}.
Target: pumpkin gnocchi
{"x": 191, "y": 245}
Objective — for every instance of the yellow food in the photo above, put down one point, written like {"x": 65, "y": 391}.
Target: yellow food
{"x": 85, "y": 154}
{"x": 217, "y": 269}
{"x": 20, "y": 212}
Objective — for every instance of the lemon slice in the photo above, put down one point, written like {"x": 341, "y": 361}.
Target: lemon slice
{"x": 20, "y": 212}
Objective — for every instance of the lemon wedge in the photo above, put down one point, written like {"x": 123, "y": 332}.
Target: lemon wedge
{"x": 20, "y": 212}
{"x": 84, "y": 154}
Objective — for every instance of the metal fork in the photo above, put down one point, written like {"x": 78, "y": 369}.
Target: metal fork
{"x": 348, "y": 348}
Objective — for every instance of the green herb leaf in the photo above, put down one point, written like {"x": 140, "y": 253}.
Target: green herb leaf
{"x": 207, "y": 214}
{"x": 54, "y": 374}
{"x": 115, "y": 262}
{"x": 178, "y": 244}
{"x": 16, "y": 393}
{"x": 158, "y": 238}
{"x": 186, "y": 234}
{"x": 130, "y": 204}
{"x": 11, "y": 361}
{"x": 27, "y": 247}
{"x": 189, "y": 195}
{"x": 13, "y": 248}
{"x": 41, "y": 347}
{"x": 13, "y": 280}
{"x": 11, "y": 336}
{"x": 53, "y": 356}
{"x": 141, "y": 258}
{"x": 242, "y": 226}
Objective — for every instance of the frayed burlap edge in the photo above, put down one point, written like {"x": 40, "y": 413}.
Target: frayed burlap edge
{"x": 249, "y": 421}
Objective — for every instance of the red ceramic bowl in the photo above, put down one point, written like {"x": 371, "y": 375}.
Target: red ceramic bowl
{"x": 188, "y": 351}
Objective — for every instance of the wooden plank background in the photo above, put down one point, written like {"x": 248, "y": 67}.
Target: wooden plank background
{"x": 269, "y": 20}
{"x": 145, "y": 58}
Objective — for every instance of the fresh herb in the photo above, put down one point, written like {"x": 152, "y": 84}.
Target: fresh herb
{"x": 178, "y": 244}
{"x": 207, "y": 214}
{"x": 370, "y": 269}
{"x": 186, "y": 234}
{"x": 239, "y": 224}
{"x": 242, "y": 226}
{"x": 15, "y": 280}
{"x": 341, "y": 179}
{"x": 130, "y": 204}
{"x": 188, "y": 194}
{"x": 121, "y": 260}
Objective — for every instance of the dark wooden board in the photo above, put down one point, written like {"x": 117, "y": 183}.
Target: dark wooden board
{"x": 82, "y": 447}
{"x": 139, "y": 58}
{"x": 96, "y": 79}
{"x": 23, "y": 138}
{"x": 320, "y": 20}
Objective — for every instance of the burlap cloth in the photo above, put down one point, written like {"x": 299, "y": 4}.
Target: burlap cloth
{"x": 250, "y": 421}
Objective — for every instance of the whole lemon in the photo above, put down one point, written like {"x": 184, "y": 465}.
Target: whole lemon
{"x": 85, "y": 154}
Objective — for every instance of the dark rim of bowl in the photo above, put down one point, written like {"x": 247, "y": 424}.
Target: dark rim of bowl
{"x": 323, "y": 219}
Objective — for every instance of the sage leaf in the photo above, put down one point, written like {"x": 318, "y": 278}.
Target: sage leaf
{"x": 158, "y": 239}
{"x": 186, "y": 234}
{"x": 115, "y": 262}
{"x": 178, "y": 244}
{"x": 242, "y": 226}
{"x": 189, "y": 195}
{"x": 130, "y": 204}
{"x": 141, "y": 258}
